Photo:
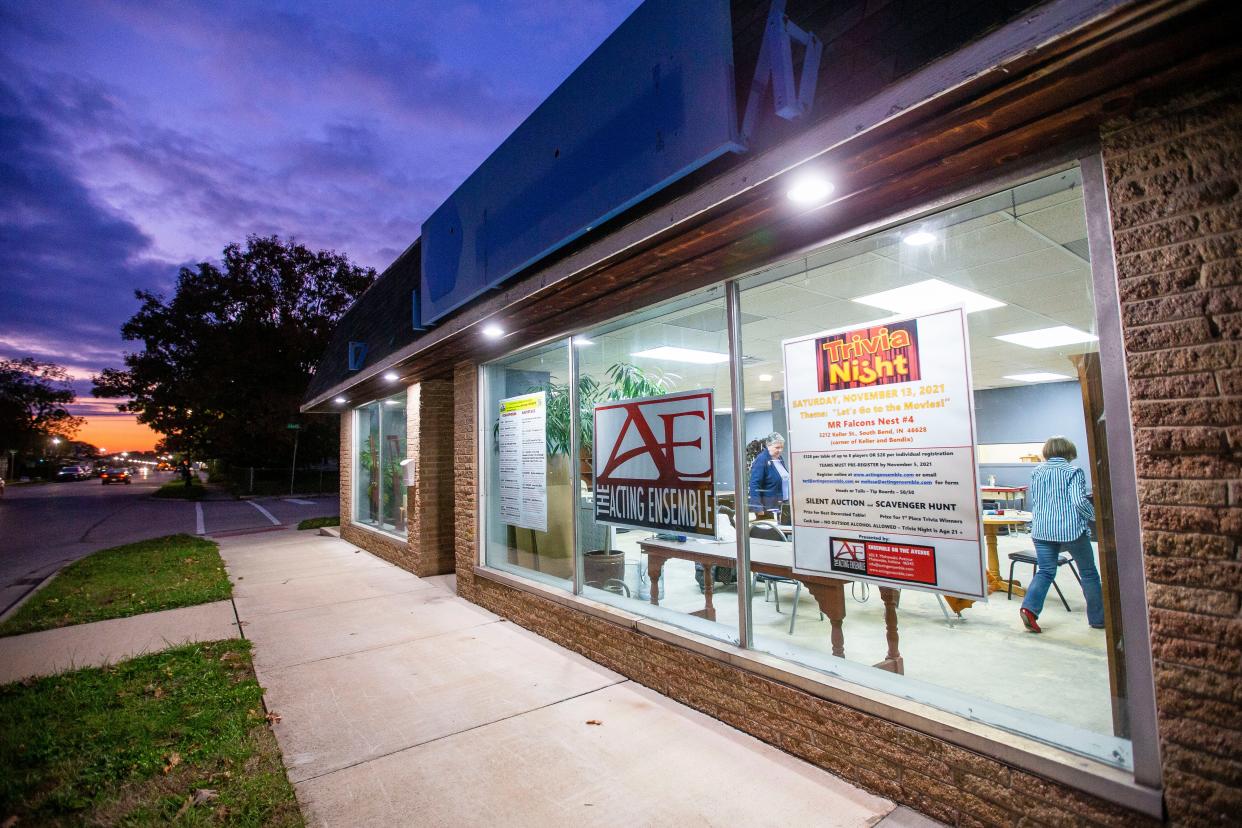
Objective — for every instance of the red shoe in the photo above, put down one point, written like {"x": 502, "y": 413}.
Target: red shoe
{"x": 1028, "y": 620}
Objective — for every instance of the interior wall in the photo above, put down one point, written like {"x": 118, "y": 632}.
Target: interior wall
{"x": 1029, "y": 414}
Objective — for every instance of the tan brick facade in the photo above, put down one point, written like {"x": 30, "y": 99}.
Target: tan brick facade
{"x": 1174, "y": 174}
{"x": 429, "y": 442}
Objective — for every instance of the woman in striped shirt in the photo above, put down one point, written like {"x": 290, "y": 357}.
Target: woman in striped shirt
{"x": 1060, "y": 512}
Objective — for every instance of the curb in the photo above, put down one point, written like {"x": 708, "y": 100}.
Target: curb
{"x": 8, "y": 613}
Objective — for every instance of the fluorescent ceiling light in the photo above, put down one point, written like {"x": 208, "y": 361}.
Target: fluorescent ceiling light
{"x": 340, "y": 401}
{"x": 673, "y": 354}
{"x": 810, "y": 189}
{"x": 919, "y": 238}
{"x": 391, "y": 377}
{"x": 392, "y": 402}
{"x": 723, "y": 410}
{"x": 493, "y": 331}
{"x": 1038, "y": 376}
{"x": 765, "y": 377}
{"x": 582, "y": 341}
{"x": 1049, "y": 337}
{"x": 930, "y": 293}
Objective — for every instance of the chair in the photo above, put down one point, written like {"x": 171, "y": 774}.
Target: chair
{"x": 766, "y": 530}
{"x": 1065, "y": 559}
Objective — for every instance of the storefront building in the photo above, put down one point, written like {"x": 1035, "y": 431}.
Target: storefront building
{"x": 732, "y": 370}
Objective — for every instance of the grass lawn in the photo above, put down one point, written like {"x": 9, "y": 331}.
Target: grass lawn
{"x": 315, "y": 523}
{"x": 179, "y": 736}
{"x": 177, "y": 490}
{"x": 160, "y": 574}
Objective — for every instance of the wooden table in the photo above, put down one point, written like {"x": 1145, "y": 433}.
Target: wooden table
{"x": 1009, "y": 494}
{"x": 991, "y": 527}
{"x": 773, "y": 558}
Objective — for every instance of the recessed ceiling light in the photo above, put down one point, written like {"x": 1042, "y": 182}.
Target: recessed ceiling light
{"x": 493, "y": 331}
{"x": 1038, "y": 376}
{"x": 810, "y": 189}
{"x": 340, "y": 401}
{"x": 918, "y": 238}
{"x": 930, "y": 293}
{"x": 391, "y": 377}
{"x": 673, "y": 354}
{"x": 1049, "y": 337}
{"x": 765, "y": 377}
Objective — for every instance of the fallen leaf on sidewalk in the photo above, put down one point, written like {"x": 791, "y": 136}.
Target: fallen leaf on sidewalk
{"x": 594, "y": 722}
{"x": 273, "y": 717}
{"x": 171, "y": 761}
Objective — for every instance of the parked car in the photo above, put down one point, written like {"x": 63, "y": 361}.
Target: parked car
{"x": 73, "y": 473}
{"x": 116, "y": 476}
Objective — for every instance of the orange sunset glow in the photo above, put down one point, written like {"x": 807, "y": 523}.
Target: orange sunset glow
{"x": 118, "y": 434}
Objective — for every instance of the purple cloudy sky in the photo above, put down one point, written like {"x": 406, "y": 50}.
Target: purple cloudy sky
{"x": 136, "y": 137}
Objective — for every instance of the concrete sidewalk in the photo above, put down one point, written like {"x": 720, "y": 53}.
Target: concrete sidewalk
{"x": 401, "y": 704}
{"x": 107, "y": 642}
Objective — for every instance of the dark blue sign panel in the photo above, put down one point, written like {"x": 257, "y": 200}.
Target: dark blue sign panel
{"x": 654, "y": 102}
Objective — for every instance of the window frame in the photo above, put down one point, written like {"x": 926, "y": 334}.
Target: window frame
{"x": 355, "y": 477}
{"x": 1098, "y": 777}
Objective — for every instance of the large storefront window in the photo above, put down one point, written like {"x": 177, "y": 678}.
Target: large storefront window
{"x": 379, "y": 448}
{"x": 947, "y": 370}
{"x": 657, "y": 454}
{"x": 1018, "y": 264}
{"x": 529, "y": 492}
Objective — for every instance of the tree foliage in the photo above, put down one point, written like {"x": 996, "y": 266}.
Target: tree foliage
{"x": 225, "y": 362}
{"x": 34, "y": 400}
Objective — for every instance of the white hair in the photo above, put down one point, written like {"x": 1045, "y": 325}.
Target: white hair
{"x": 774, "y": 437}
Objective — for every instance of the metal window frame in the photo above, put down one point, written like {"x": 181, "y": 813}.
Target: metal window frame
{"x": 1140, "y": 699}
{"x": 1123, "y": 478}
{"x": 353, "y": 473}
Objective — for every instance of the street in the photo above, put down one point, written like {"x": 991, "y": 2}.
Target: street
{"x": 45, "y": 526}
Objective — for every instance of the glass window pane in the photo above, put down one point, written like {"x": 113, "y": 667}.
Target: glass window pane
{"x": 529, "y": 494}
{"x": 650, "y": 462}
{"x": 1019, "y": 262}
{"x": 392, "y": 479}
{"x": 367, "y": 465}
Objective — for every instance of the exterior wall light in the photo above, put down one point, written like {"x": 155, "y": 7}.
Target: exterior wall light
{"x": 811, "y": 189}
{"x": 493, "y": 331}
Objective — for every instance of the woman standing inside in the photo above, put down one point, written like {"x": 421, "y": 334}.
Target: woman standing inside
{"x": 1060, "y": 513}
{"x": 769, "y": 478}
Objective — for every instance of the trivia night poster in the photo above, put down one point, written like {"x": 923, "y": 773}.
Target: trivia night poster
{"x": 882, "y": 444}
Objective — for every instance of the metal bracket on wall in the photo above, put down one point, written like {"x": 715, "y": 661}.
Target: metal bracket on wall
{"x": 790, "y": 98}
{"x": 357, "y": 355}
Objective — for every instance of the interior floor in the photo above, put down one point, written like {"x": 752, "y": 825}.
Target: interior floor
{"x": 985, "y": 653}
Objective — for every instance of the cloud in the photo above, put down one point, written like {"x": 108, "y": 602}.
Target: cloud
{"x": 71, "y": 262}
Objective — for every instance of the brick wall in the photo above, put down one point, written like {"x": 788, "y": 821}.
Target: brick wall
{"x": 944, "y": 781}
{"x": 347, "y": 465}
{"x": 465, "y": 475}
{"x": 431, "y": 444}
{"x": 1174, "y": 173}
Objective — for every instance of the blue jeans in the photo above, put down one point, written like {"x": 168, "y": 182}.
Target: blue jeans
{"x": 1047, "y": 553}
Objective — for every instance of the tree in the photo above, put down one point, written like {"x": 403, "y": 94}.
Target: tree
{"x": 34, "y": 400}
{"x": 225, "y": 362}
